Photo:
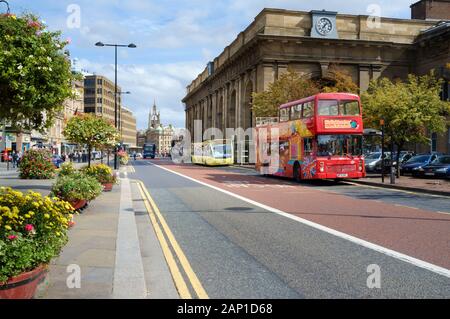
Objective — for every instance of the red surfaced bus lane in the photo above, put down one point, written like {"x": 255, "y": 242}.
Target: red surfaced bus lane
{"x": 421, "y": 234}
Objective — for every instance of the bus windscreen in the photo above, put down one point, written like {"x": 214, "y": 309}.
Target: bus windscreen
{"x": 339, "y": 145}
{"x": 222, "y": 151}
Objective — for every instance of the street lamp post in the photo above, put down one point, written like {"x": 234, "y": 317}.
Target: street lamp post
{"x": 132, "y": 46}
{"x": 119, "y": 127}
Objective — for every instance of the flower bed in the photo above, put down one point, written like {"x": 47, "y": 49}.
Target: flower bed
{"x": 33, "y": 230}
{"x": 76, "y": 187}
{"x": 103, "y": 173}
{"x": 37, "y": 164}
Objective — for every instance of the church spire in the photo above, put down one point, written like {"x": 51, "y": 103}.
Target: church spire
{"x": 154, "y": 117}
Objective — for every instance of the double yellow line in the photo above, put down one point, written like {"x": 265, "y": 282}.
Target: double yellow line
{"x": 157, "y": 219}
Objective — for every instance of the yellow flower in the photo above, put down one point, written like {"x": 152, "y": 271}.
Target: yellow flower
{"x": 7, "y": 227}
{"x": 47, "y": 216}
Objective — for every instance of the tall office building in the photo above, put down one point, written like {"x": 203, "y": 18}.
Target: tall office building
{"x": 99, "y": 98}
{"x": 129, "y": 131}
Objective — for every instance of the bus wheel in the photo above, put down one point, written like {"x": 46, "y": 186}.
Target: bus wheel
{"x": 297, "y": 173}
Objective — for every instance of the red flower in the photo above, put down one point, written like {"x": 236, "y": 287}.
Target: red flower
{"x": 12, "y": 237}
{"x": 29, "y": 228}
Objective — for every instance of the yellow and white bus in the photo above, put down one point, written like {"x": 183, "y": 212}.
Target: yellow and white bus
{"x": 213, "y": 153}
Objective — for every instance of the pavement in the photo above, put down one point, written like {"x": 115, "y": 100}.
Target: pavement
{"x": 247, "y": 236}
{"x": 113, "y": 246}
{"x": 423, "y": 185}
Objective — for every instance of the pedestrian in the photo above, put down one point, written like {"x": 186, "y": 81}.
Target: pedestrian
{"x": 19, "y": 158}
{"x": 134, "y": 155}
{"x": 14, "y": 159}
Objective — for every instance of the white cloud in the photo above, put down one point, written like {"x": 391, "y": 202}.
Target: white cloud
{"x": 165, "y": 83}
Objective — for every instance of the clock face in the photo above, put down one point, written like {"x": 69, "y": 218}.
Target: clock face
{"x": 324, "y": 26}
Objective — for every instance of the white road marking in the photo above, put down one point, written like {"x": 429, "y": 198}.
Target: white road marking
{"x": 386, "y": 251}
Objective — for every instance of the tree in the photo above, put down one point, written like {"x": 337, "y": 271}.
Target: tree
{"x": 91, "y": 130}
{"x": 35, "y": 73}
{"x": 289, "y": 87}
{"x": 341, "y": 81}
{"x": 410, "y": 109}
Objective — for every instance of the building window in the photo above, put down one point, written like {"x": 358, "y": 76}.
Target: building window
{"x": 434, "y": 142}
{"x": 99, "y": 91}
{"x": 99, "y": 81}
{"x": 89, "y": 100}
{"x": 89, "y": 82}
{"x": 99, "y": 100}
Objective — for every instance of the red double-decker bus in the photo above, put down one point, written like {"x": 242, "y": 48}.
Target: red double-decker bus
{"x": 320, "y": 137}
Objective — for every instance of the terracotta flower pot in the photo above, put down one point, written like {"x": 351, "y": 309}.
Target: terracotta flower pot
{"x": 24, "y": 285}
{"x": 78, "y": 204}
{"x": 107, "y": 187}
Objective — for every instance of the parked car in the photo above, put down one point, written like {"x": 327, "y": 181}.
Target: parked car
{"x": 415, "y": 163}
{"x": 440, "y": 168}
{"x": 57, "y": 160}
{"x": 404, "y": 156}
{"x": 373, "y": 162}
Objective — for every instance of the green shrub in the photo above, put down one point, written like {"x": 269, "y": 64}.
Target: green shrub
{"x": 77, "y": 187}
{"x": 37, "y": 164}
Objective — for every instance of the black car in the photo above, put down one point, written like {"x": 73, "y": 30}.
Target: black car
{"x": 415, "y": 163}
{"x": 440, "y": 168}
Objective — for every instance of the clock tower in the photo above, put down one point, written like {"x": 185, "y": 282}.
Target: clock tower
{"x": 324, "y": 24}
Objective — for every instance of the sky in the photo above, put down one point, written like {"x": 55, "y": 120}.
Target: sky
{"x": 175, "y": 39}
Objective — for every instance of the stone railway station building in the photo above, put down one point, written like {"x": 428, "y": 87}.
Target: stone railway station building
{"x": 310, "y": 42}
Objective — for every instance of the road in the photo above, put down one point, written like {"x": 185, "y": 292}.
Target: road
{"x": 247, "y": 236}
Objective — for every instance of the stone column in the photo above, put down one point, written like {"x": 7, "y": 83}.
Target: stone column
{"x": 225, "y": 105}
{"x": 364, "y": 77}
{"x": 266, "y": 75}
{"x": 282, "y": 68}
{"x": 376, "y": 71}
{"x": 239, "y": 101}
{"x": 324, "y": 68}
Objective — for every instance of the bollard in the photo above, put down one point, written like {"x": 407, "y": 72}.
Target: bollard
{"x": 393, "y": 174}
